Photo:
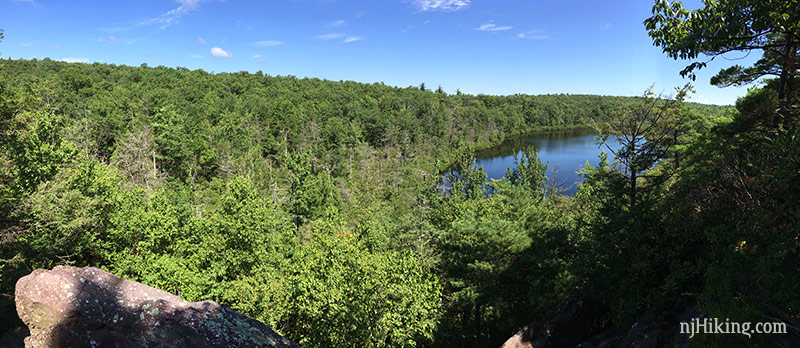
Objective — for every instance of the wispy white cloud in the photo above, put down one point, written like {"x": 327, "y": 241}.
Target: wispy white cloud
{"x": 441, "y": 5}
{"x": 116, "y": 40}
{"x": 27, "y": 44}
{"x": 608, "y": 26}
{"x": 190, "y": 4}
{"x": 336, "y": 36}
{"x": 170, "y": 17}
{"x": 330, "y": 36}
{"x": 111, "y": 38}
{"x": 350, "y": 39}
{"x": 28, "y": 1}
{"x": 201, "y": 40}
{"x": 165, "y": 19}
{"x": 491, "y": 26}
{"x": 266, "y": 43}
{"x": 75, "y": 60}
{"x": 52, "y": 47}
{"x": 256, "y": 56}
{"x": 535, "y": 34}
{"x": 220, "y": 53}
{"x": 196, "y": 56}
{"x": 337, "y": 23}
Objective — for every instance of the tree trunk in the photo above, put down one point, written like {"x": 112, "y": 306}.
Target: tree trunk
{"x": 155, "y": 169}
{"x": 633, "y": 187}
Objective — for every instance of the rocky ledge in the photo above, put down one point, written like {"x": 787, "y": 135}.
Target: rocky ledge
{"x": 88, "y": 307}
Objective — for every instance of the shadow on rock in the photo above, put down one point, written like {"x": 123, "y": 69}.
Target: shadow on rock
{"x": 88, "y": 307}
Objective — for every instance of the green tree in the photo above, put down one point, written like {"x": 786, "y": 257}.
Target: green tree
{"x": 34, "y": 142}
{"x": 647, "y": 134}
{"x": 529, "y": 172}
{"x": 500, "y": 256}
{"x": 467, "y": 180}
{"x": 311, "y": 194}
{"x": 720, "y": 27}
{"x": 343, "y": 295}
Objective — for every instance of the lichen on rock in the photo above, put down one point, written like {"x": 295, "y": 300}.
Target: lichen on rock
{"x": 88, "y": 307}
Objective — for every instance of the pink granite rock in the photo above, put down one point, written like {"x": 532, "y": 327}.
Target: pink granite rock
{"x": 88, "y": 307}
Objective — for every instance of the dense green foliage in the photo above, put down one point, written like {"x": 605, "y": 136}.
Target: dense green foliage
{"x": 306, "y": 204}
{"x": 317, "y": 206}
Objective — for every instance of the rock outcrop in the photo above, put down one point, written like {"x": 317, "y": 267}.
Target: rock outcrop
{"x": 88, "y": 307}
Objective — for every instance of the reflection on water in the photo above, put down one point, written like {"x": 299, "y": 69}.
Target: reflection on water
{"x": 566, "y": 151}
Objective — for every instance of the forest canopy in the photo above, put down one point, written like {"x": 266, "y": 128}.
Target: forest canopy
{"x": 314, "y": 205}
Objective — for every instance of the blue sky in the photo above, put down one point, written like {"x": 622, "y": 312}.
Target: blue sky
{"x": 478, "y": 46}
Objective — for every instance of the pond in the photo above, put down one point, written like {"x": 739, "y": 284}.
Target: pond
{"x": 566, "y": 152}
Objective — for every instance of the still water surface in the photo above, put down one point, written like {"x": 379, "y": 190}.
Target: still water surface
{"x": 566, "y": 151}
